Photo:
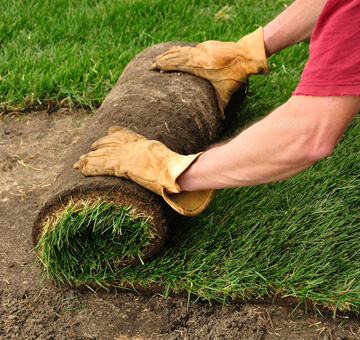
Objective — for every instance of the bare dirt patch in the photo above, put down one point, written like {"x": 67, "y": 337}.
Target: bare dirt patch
{"x": 32, "y": 150}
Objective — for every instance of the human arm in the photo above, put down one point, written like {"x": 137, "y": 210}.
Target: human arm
{"x": 290, "y": 139}
{"x": 293, "y": 25}
{"x": 284, "y": 143}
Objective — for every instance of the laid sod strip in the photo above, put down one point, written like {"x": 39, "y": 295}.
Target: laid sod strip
{"x": 297, "y": 238}
{"x": 89, "y": 240}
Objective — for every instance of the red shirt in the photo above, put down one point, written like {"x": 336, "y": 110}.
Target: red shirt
{"x": 333, "y": 68}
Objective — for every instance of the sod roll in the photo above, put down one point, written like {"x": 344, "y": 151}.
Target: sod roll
{"x": 104, "y": 221}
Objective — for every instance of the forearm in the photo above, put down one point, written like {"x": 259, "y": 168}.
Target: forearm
{"x": 293, "y": 25}
{"x": 290, "y": 139}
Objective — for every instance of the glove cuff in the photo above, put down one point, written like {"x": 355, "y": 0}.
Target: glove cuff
{"x": 188, "y": 203}
{"x": 254, "y": 44}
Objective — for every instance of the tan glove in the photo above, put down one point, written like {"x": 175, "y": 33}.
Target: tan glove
{"x": 151, "y": 164}
{"x": 225, "y": 64}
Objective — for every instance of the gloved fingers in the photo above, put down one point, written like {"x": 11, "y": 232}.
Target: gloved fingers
{"x": 108, "y": 161}
{"x": 117, "y": 137}
{"x": 93, "y": 166}
{"x": 174, "y": 50}
{"x": 93, "y": 170}
{"x": 173, "y": 60}
{"x": 176, "y": 63}
{"x": 170, "y": 63}
{"x": 124, "y": 132}
{"x": 113, "y": 129}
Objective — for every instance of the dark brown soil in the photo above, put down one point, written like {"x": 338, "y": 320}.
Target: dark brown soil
{"x": 32, "y": 151}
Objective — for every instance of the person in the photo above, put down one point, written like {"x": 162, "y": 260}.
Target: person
{"x": 303, "y": 130}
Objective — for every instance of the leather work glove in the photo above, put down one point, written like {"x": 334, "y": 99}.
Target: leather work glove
{"x": 151, "y": 164}
{"x": 225, "y": 64}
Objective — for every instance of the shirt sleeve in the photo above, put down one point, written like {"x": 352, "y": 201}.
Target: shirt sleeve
{"x": 333, "y": 68}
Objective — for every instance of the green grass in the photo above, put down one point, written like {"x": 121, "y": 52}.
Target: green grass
{"x": 90, "y": 240}
{"x": 298, "y": 237}
{"x": 72, "y": 52}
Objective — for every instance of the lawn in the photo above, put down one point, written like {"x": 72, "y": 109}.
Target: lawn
{"x": 74, "y": 51}
{"x": 298, "y": 237}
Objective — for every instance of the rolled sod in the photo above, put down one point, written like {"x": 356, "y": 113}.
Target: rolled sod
{"x": 88, "y": 226}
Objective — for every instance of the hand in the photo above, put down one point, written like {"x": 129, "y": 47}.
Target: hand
{"x": 225, "y": 64}
{"x": 124, "y": 153}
